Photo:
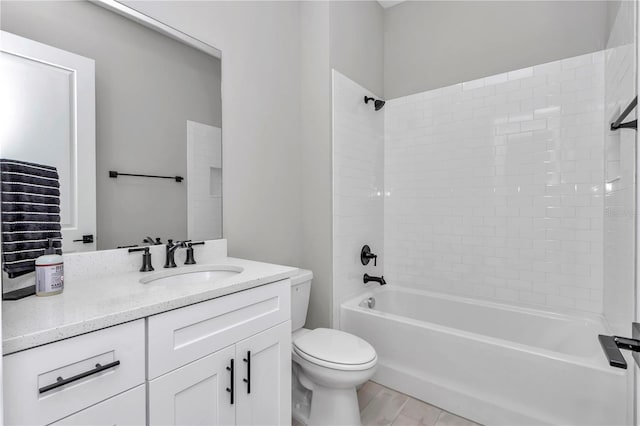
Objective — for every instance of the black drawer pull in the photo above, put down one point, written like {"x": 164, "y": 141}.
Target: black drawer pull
{"x": 230, "y": 390}
{"x": 248, "y": 379}
{"x": 61, "y": 382}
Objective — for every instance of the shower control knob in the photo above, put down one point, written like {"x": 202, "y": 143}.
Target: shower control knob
{"x": 366, "y": 256}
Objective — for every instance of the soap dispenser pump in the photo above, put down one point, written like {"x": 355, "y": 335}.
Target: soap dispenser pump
{"x": 49, "y": 272}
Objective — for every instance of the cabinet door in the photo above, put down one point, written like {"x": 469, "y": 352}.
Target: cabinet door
{"x": 264, "y": 361}
{"x": 128, "y": 408}
{"x": 195, "y": 394}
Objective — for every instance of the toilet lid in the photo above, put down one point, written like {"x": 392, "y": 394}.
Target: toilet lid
{"x": 335, "y": 347}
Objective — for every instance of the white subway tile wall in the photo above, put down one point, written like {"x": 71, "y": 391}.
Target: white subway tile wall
{"x": 358, "y": 181}
{"x": 620, "y": 159}
{"x": 494, "y": 187}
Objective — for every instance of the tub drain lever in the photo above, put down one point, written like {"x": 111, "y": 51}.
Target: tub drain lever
{"x": 611, "y": 346}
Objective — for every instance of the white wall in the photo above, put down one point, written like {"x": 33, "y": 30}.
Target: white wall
{"x": 357, "y": 42}
{"x": 433, "y": 44}
{"x": 345, "y": 36}
{"x": 496, "y": 186}
{"x": 358, "y": 189}
{"x": 276, "y": 67}
{"x": 315, "y": 141}
{"x": 620, "y": 174}
{"x": 260, "y": 44}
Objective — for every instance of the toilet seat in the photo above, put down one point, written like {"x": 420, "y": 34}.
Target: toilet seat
{"x": 335, "y": 349}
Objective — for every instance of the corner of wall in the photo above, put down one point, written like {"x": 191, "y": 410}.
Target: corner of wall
{"x": 316, "y": 188}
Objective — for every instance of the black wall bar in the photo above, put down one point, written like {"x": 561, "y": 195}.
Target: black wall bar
{"x": 114, "y": 174}
{"x": 618, "y": 124}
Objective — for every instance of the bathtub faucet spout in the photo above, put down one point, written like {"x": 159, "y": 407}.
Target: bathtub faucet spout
{"x": 368, "y": 278}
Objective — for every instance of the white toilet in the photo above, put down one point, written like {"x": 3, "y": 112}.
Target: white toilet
{"x": 327, "y": 366}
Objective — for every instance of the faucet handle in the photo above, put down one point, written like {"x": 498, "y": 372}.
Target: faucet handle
{"x": 366, "y": 256}
{"x": 146, "y": 258}
{"x": 190, "y": 259}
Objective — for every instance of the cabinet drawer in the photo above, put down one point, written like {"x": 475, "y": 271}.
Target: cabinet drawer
{"x": 179, "y": 337}
{"x": 129, "y": 408}
{"x": 30, "y": 397}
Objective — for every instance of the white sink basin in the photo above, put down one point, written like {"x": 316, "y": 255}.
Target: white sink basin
{"x": 191, "y": 275}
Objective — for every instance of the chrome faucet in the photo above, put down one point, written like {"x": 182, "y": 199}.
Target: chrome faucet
{"x": 366, "y": 278}
{"x": 171, "y": 248}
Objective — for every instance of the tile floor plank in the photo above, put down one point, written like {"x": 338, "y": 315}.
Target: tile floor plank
{"x": 384, "y": 408}
{"x": 403, "y": 420}
{"x": 381, "y": 406}
{"x": 448, "y": 419}
{"x": 367, "y": 392}
{"x": 422, "y": 412}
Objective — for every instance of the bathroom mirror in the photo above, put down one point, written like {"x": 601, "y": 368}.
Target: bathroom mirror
{"x": 128, "y": 111}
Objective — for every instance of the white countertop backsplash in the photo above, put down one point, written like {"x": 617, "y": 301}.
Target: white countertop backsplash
{"x": 103, "y": 289}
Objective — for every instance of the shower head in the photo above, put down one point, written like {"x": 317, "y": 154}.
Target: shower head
{"x": 378, "y": 103}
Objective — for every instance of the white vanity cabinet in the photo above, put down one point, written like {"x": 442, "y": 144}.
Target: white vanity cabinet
{"x": 240, "y": 384}
{"x": 223, "y": 362}
{"x": 45, "y": 384}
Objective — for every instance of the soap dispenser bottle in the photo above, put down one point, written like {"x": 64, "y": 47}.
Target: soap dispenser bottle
{"x": 49, "y": 272}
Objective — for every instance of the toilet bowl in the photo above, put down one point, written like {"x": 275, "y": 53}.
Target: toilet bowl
{"x": 327, "y": 366}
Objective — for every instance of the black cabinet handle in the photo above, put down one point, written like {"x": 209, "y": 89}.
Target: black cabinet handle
{"x": 248, "y": 379}
{"x": 61, "y": 382}
{"x": 230, "y": 389}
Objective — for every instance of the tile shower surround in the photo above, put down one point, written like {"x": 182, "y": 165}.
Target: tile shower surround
{"x": 358, "y": 180}
{"x": 494, "y": 187}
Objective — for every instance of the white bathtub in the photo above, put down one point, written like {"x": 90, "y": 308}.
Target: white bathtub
{"x": 489, "y": 362}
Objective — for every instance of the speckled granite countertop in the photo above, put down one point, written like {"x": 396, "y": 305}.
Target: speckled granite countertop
{"x": 91, "y": 304}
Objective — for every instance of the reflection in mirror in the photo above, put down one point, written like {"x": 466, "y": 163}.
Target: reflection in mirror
{"x": 157, "y": 112}
{"x": 120, "y": 110}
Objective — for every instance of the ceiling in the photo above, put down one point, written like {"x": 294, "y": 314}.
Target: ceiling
{"x": 389, "y": 3}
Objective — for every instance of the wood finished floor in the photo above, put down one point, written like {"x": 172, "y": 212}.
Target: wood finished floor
{"x": 381, "y": 406}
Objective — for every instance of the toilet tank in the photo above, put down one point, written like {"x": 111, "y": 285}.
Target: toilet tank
{"x": 300, "y": 291}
